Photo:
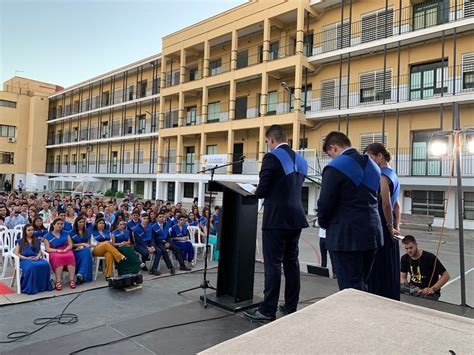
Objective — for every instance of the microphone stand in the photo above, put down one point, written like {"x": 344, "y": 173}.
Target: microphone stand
{"x": 205, "y": 284}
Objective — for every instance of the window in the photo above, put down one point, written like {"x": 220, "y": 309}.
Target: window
{"x": 188, "y": 190}
{"x": 105, "y": 98}
{"x": 142, "y": 88}
{"x": 189, "y": 162}
{"x": 105, "y": 129}
{"x": 328, "y": 94}
{"x": 139, "y": 154}
{"x": 306, "y": 93}
{"x": 469, "y": 8}
{"x": 128, "y": 127}
{"x": 126, "y": 157}
{"x": 430, "y": 13}
{"x": 171, "y": 119}
{"x": 156, "y": 85}
{"x": 308, "y": 44}
{"x": 425, "y": 80}
{"x": 240, "y": 107}
{"x": 468, "y": 69}
{"x": 272, "y": 103}
{"x": 102, "y": 159}
{"x": 211, "y": 149}
{"x": 130, "y": 92}
{"x": 7, "y": 131}
{"x": 260, "y": 54}
{"x": 368, "y": 138}
{"x": 303, "y": 143}
{"x": 6, "y": 103}
{"x": 273, "y": 50}
{"x": 141, "y": 124}
{"x": 75, "y": 134}
{"x": 172, "y": 78}
{"x": 191, "y": 116}
{"x": 193, "y": 74}
{"x": 469, "y": 205}
{"x": 83, "y": 163}
{"x": 336, "y": 36}
{"x": 115, "y": 128}
{"x": 377, "y": 25}
{"x": 372, "y": 86}
{"x": 428, "y": 203}
{"x": 423, "y": 163}
{"x": 242, "y": 59}
{"x": 114, "y": 162}
{"x": 215, "y": 67}
{"x": 6, "y": 158}
{"x": 213, "y": 112}
{"x": 74, "y": 159}
{"x": 75, "y": 107}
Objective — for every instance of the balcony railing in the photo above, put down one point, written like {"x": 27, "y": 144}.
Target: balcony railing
{"x": 104, "y": 167}
{"x": 415, "y": 162}
{"x": 448, "y": 81}
{"x": 381, "y": 24}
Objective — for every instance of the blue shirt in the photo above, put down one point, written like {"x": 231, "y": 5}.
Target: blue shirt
{"x": 177, "y": 232}
{"x": 161, "y": 232}
{"x": 40, "y": 233}
{"x": 77, "y": 239}
{"x": 55, "y": 242}
{"x": 110, "y": 219}
{"x": 131, "y": 224}
{"x": 144, "y": 234}
{"x": 101, "y": 237}
{"x": 121, "y": 236}
{"x": 194, "y": 223}
{"x": 203, "y": 220}
{"x": 67, "y": 226}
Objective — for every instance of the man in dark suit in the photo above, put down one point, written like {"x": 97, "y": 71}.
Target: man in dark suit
{"x": 281, "y": 179}
{"x": 347, "y": 209}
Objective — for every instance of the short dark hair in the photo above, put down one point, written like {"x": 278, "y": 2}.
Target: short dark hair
{"x": 409, "y": 239}
{"x": 276, "y": 132}
{"x": 378, "y": 148}
{"x": 336, "y": 138}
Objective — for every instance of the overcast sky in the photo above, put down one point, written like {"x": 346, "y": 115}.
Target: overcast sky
{"x": 64, "y": 42}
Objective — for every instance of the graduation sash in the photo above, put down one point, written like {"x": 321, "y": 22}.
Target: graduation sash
{"x": 300, "y": 165}
{"x": 390, "y": 174}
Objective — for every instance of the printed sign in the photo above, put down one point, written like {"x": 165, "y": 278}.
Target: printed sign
{"x": 210, "y": 161}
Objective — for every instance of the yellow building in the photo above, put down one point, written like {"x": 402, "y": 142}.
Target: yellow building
{"x": 388, "y": 71}
{"x": 23, "y": 114}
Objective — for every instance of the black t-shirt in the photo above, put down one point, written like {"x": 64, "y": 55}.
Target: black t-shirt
{"x": 420, "y": 270}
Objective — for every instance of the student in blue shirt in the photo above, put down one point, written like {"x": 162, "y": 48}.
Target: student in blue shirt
{"x": 192, "y": 220}
{"x": 134, "y": 221}
{"x": 145, "y": 244}
{"x": 180, "y": 237}
{"x": 40, "y": 229}
{"x": 163, "y": 242}
{"x": 67, "y": 226}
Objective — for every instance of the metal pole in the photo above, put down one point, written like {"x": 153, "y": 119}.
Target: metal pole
{"x": 460, "y": 207}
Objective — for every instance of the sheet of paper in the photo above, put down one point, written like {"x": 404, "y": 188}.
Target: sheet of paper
{"x": 247, "y": 187}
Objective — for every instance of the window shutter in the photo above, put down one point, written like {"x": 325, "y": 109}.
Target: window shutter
{"x": 328, "y": 89}
{"x": 369, "y": 24}
{"x": 126, "y": 157}
{"x": 368, "y": 138}
{"x": 468, "y": 58}
{"x": 379, "y": 83}
{"x": 329, "y": 38}
{"x": 469, "y": 8}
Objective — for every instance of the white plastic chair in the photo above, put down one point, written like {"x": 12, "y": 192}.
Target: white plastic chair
{"x": 195, "y": 231}
{"x": 3, "y": 247}
{"x": 17, "y": 271}
{"x": 18, "y": 227}
{"x": 8, "y": 245}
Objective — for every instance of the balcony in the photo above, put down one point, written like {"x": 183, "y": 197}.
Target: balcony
{"x": 414, "y": 162}
{"x": 104, "y": 167}
{"x": 415, "y": 87}
{"x": 385, "y": 24}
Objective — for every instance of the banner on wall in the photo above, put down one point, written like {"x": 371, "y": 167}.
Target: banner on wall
{"x": 211, "y": 160}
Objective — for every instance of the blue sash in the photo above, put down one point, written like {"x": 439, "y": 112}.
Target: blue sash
{"x": 299, "y": 166}
{"x": 390, "y": 174}
{"x": 369, "y": 177}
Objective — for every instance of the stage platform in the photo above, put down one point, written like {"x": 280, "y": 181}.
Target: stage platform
{"x": 111, "y": 315}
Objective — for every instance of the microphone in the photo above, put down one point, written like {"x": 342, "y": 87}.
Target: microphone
{"x": 243, "y": 157}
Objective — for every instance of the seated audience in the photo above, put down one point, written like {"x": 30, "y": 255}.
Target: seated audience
{"x": 122, "y": 241}
{"x": 427, "y": 274}
{"x": 35, "y": 271}
{"x": 82, "y": 250}
{"x": 145, "y": 245}
{"x": 104, "y": 247}
{"x": 180, "y": 237}
{"x": 59, "y": 246}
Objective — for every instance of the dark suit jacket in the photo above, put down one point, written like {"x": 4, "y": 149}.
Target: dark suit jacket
{"x": 349, "y": 213}
{"x": 282, "y": 194}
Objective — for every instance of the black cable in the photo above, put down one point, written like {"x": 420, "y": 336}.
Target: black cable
{"x": 63, "y": 318}
{"x": 149, "y": 331}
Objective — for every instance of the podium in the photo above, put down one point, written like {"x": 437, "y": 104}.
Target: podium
{"x": 237, "y": 239}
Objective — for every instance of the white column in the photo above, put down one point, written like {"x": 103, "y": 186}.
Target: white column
{"x": 147, "y": 194}
{"x": 178, "y": 196}
{"x": 120, "y": 186}
{"x": 201, "y": 194}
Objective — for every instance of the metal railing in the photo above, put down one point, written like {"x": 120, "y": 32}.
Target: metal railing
{"x": 382, "y": 24}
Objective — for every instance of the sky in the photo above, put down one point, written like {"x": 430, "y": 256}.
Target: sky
{"x": 65, "y": 42}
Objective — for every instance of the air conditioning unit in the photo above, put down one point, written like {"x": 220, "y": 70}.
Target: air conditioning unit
{"x": 11, "y": 139}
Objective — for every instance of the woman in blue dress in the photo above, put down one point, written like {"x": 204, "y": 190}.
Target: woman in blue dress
{"x": 39, "y": 229}
{"x": 384, "y": 279}
{"x": 81, "y": 239}
{"x": 192, "y": 220}
{"x": 35, "y": 271}
{"x": 121, "y": 240}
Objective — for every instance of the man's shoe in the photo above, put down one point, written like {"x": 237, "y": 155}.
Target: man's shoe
{"x": 282, "y": 308}
{"x": 172, "y": 271}
{"x": 184, "y": 268}
{"x": 155, "y": 272}
{"x": 257, "y": 317}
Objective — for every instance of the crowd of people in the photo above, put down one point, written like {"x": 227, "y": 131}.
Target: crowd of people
{"x": 72, "y": 230}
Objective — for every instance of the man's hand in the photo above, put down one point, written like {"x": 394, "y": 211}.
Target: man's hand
{"x": 427, "y": 291}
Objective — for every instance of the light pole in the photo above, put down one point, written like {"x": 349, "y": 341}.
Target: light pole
{"x": 439, "y": 148}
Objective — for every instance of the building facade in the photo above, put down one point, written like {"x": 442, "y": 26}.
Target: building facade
{"x": 389, "y": 71}
{"x": 23, "y": 114}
